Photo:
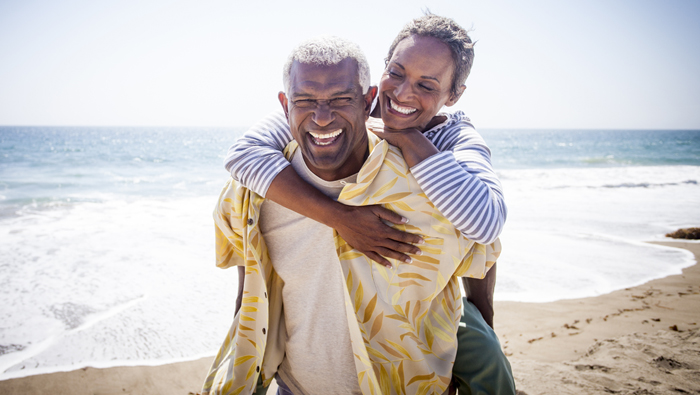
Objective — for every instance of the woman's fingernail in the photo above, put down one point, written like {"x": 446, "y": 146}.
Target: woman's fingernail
{"x": 408, "y": 260}
{"x": 404, "y": 220}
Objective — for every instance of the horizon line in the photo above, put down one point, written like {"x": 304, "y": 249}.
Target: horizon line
{"x": 554, "y": 128}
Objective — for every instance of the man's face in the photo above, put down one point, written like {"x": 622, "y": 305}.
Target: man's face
{"x": 327, "y": 111}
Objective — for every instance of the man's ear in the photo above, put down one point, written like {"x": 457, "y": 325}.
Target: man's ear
{"x": 369, "y": 98}
{"x": 284, "y": 102}
{"x": 453, "y": 98}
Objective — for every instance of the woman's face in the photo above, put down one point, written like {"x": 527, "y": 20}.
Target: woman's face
{"x": 416, "y": 83}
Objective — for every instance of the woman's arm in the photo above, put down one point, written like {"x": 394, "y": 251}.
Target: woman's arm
{"x": 256, "y": 158}
{"x": 453, "y": 168}
{"x": 256, "y": 161}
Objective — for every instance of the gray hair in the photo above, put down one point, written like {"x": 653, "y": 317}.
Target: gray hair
{"x": 450, "y": 33}
{"x": 328, "y": 50}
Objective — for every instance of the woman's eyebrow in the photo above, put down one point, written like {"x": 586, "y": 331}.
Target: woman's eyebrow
{"x": 400, "y": 65}
{"x": 427, "y": 77}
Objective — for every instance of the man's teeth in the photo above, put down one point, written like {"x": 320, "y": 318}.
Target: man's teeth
{"x": 401, "y": 109}
{"x": 325, "y": 139}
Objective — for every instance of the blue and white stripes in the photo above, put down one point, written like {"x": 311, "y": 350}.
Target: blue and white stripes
{"x": 256, "y": 158}
{"x": 459, "y": 180}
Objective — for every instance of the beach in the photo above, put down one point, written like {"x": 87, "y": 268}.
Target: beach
{"x": 639, "y": 340}
{"x": 109, "y": 283}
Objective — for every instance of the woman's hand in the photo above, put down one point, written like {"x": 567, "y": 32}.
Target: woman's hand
{"x": 413, "y": 144}
{"x": 364, "y": 229}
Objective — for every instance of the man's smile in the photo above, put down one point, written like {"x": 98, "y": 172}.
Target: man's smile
{"x": 325, "y": 138}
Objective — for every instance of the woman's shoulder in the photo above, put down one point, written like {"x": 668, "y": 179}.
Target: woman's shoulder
{"x": 457, "y": 119}
{"x": 454, "y": 122}
{"x": 456, "y": 129}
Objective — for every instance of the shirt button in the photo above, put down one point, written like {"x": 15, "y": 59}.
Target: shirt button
{"x": 264, "y": 331}
{"x": 266, "y": 294}
{"x": 250, "y": 221}
{"x": 257, "y": 369}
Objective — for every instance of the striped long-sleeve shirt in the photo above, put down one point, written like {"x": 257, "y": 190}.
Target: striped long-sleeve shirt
{"x": 459, "y": 180}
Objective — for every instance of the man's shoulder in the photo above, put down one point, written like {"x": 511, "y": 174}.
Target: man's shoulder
{"x": 236, "y": 198}
{"x": 392, "y": 153}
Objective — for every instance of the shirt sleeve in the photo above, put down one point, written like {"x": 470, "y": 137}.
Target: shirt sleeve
{"x": 228, "y": 229}
{"x": 257, "y": 158}
{"x": 461, "y": 182}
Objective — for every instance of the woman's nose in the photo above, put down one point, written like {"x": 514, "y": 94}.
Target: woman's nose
{"x": 403, "y": 91}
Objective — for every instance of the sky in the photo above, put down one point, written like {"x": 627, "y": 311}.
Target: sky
{"x": 615, "y": 64}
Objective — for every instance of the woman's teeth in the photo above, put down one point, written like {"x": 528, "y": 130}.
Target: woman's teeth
{"x": 401, "y": 109}
{"x": 327, "y": 138}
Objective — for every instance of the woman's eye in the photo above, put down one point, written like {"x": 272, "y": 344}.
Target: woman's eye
{"x": 393, "y": 74}
{"x": 426, "y": 87}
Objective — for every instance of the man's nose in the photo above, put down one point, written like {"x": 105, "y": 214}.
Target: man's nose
{"x": 323, "y": 115}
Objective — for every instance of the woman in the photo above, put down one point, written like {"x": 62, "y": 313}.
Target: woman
{"x": 427, "y": 66}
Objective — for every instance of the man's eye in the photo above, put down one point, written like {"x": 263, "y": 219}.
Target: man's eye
{"x": 426, "y": 87}
{"x": 304, "y": 103}
{"x": 341, "y": 101}
{"x": 393, "y": 74}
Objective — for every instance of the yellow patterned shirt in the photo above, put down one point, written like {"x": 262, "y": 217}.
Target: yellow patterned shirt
{"x": 402, "y": 321}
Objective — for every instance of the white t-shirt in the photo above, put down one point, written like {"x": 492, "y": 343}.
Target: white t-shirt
{"x": 318, "y": 353}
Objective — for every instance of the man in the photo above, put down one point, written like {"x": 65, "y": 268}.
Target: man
{"x": 315, "y": 314}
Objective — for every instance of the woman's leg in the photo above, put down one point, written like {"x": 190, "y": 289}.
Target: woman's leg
{"x": 480, "y": 366}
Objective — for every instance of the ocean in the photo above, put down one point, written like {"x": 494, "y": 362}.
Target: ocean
{"x": 106, "y": 236}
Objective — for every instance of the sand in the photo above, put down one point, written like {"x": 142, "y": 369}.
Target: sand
{"x": 641, "y": 340}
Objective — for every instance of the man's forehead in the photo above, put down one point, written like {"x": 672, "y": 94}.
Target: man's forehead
{"x": 309, "y": 78}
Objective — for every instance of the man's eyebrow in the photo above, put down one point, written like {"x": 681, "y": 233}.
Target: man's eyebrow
{"x": 427, "y": 77}
{"x": 301, "y": 95}
{"x": 348, "y": 91}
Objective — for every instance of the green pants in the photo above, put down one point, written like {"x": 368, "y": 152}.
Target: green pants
{"x": 480, "y": 365}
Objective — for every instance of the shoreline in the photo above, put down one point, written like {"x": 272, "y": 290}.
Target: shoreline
{"x": 569, "y": 346}
{"x": 638, "y": 340}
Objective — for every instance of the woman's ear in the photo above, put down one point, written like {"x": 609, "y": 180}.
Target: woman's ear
{"x": 455, "y": 97}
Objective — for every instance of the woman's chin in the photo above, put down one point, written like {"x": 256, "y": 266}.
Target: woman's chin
{"x": 398, "y": 122}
